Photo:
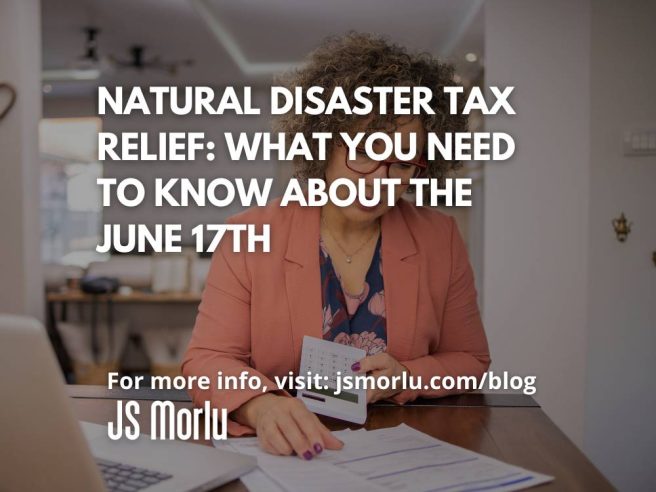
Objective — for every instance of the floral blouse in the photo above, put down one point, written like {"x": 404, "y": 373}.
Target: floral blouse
{"x": 355, "y": 320}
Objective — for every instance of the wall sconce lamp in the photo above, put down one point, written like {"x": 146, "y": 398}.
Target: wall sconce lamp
{"x": 622, "y": 227}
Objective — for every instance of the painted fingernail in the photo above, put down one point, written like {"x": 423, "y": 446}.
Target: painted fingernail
{"x": 317, "y": 448}
{"x": 307, "y": 455}
{"x": 355, "y": 367}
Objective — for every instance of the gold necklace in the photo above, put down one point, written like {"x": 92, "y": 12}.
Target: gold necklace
{"x": 349, "y": 257}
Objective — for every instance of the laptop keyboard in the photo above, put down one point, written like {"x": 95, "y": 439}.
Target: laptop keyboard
{"x": 126, "y": 478}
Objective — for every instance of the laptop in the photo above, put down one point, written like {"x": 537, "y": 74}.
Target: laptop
{"x": 44, "y": 447}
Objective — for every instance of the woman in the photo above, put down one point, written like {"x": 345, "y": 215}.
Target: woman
{"x": 395, "y": 281}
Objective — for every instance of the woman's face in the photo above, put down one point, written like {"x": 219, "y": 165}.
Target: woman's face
{"x": 336, "y": 168}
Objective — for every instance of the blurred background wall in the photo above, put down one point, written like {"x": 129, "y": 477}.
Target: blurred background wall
{"x": 619, "y": 434}
{"x": 564, "y": 299}
{"x": 21, "y": 280}
{"x": 536, "y": 204}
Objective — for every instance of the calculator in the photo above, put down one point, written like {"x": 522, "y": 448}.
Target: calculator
{"x": 331, "y": 360}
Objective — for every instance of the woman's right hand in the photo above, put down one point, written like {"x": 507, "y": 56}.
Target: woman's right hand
{"x": 284, "y": 426}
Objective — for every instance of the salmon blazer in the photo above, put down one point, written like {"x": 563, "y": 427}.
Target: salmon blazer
{"x": 257, "y": 307}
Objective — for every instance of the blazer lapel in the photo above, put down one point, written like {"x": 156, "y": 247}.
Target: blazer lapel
{"x": 303, "y": 278}
{"x": 401, "y": 283}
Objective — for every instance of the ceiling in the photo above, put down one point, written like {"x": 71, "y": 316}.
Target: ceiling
{"x": 236, "y": 41}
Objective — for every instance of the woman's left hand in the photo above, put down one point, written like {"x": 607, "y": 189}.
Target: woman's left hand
{"x": 378, "y": 365}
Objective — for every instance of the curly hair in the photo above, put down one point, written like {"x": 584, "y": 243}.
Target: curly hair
{"x": 358, "y": 59}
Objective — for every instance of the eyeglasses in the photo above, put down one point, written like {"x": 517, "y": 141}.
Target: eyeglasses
{"x": 403, "y": 170}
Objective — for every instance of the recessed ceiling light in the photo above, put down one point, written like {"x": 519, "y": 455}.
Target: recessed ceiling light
{"x": 471, "y": 57}
{"x": 47, "y": 88}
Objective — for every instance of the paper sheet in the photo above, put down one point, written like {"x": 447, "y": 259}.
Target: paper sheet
{"x": 398, "y": 458}
{"x": 256, "y": 480}
{"x": 293, "y": 474}
{"x": 404, "y": 459}
{"x": 296, "y": 475}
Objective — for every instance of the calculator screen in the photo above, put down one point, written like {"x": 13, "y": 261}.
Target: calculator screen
{"x": 343, "y": 395}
